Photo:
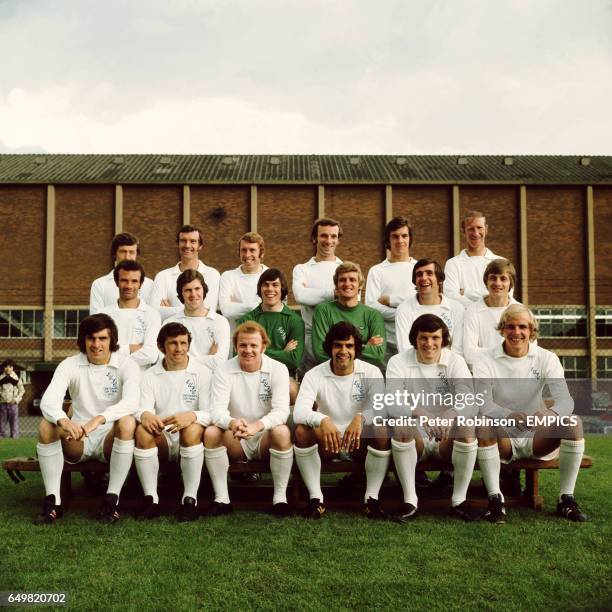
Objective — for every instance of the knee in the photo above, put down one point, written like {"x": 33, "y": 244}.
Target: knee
{"x": 280, "y": 436}
{"x": 381, "y": 444}
{"x": 213, "y": 436}
{"x": 47, "y": 432}
{"x": 191, "y": 435}
{"x": 576, "y": 431}
{"x": 143, "y": 438}
{"x": 303, "y": 435}
{"x": 125, "y": 427}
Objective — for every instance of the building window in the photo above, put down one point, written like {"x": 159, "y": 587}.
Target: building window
{"x": 66, "y": 322}
{"x": 603, "y": 322}
{"x": 561, "y": 322}
{"x": 604, "y": 367}
{"x": 575, "y": 367}
{"x": 22, "y": 324}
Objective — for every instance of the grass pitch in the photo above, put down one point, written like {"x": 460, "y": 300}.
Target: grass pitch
{"x": 253, "y": 561}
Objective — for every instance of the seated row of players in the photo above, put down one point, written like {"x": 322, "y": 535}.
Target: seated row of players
{"x": 390, "y": 288}
{"x": 239, "y": 412}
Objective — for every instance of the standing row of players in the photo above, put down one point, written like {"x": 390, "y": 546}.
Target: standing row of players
{"x": 311, "y": 283}
{"x": 398, "y": 290}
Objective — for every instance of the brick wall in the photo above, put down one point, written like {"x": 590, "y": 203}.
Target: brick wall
{"x": 84, "y": 224}
{"x": 223, "y": 215}
{"x": 429, "y": 210}
{"x": 22, "y": 247}
{"x": 154, "y": 214}
{"x": 361, "y": 212}
{"x": 602, "y": 205}
{"x": 285, "y": 217}
{"x": 556, "y": 235}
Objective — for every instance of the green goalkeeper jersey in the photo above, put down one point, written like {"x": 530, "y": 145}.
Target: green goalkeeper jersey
{"x": 281, "y": 327}
{"x": 367, "y": 320}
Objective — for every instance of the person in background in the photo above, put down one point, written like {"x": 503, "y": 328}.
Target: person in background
{"x": 11, "y": 393}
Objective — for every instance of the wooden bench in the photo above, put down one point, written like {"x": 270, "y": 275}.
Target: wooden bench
{"x": 531, "y": 496}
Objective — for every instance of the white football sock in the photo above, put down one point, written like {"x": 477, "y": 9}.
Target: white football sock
{"x": 147, "y": 468}
{"x": 309, "y": 463}
{"x": 217, "y": 464}
{"x": 570, "y": 456}
{"x": 490, "y": 465}
{"x": 405, "y": 458}
{"x": 376, "y": 466}
{"x": 120, "y": 464}
{"x": 280, "y": 466}
{"x": 51, "y": 460}
{"x": 192, "y": 459}
{"x": 464, "y": 459}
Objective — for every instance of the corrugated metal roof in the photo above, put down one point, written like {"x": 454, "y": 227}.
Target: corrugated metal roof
{"x": 310, "y": 169}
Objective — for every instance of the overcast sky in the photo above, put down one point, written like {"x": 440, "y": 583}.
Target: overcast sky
{"x": 306, "y": 76}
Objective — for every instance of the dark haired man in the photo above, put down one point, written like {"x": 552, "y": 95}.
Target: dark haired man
{"x": 389, "y": 282}
{"x": 439, "y": 379}
{"x": 284, "y": 327}
{"x": 190, "y": 243}
{"x": 137, "y": 323}
{"x": 428, "y": 278}
{"x": 342, "y": 389}
{"x": 104, "y": 387}
{"x": 313, "y": 281}
{"x": 210, "y": 331}
{"x": 174, "y": 410}
{"x": 104, "y": 292}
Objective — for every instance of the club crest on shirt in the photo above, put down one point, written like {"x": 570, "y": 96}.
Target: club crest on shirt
{"x": 535, "y": 373}
{"x": 190, "y": 392}
{"x": 111, "y": 386}
{"x": 282, "y": 332}
{"x": 443, "y": 385}
{"x": 358, "y": 392}
{"x": 265, "y": 387}
{"x": 448, "y": 320}
{"x": 139, "y": 328}
{"x": 211, "y": 334}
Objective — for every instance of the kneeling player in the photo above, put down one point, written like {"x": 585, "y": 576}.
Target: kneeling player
{"x": 250, "y": 406}
{"x": 342, "y": 389}
{"x": 436, "y": 377}
{"x": 496, "y": 372}
{"x": 104, "y": 388}
{"x": 172, "y": 416}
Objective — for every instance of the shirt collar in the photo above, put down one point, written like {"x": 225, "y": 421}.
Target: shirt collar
{"x": 358, "y": 369}
{"x": 201, "y": 267}
{"x": 387, "y": 263}
{"x": 158, "y": 368}
{"x": 234, "y": 365}
{"x": 413, "y": 362}
{"x": 313, "y": 262}
{"x": 498, "y": 351}
{"x": 113, "y": 363}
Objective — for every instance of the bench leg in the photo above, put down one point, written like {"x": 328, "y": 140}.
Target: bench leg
{"x": 66, "y": 485}
{"x": 532, "y": 491}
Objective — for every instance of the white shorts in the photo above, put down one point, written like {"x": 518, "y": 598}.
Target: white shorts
{"x": 522, "y": 448}
{"x": 174, "y": 444}
{"x": 93, "y": 444}
{"x": 252, "y": 446}
{"x": 431, "y": 446}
